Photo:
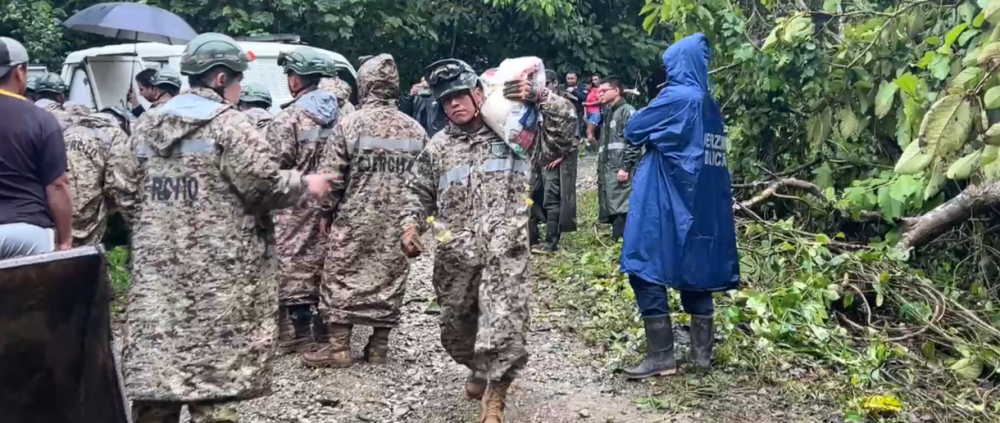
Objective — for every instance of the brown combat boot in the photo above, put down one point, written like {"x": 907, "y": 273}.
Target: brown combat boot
{"x": 492, "y": 407}
{"x": 377, "y": 350}
{"x": 475, "y": 386}
{"x": 294, "y": 335}
{"x": 336, "y": 354}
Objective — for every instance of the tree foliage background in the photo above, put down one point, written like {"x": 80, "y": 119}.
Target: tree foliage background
{"x": 594, "y": 36}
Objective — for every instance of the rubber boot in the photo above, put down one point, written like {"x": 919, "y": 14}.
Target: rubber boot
{"x": 659, "y": 359}
{"x": 475, "y": 386}
{"x": 335, "y": 354}
{"x": 552, "y": 236}
{"x": 702, "y": 341}
{"x": 533, "y": 236}
{"x": 493, "y": 405}
{"x": 294, "y": 334}
{"x": 617, "y": 227}
{"x": 377, "y": 350}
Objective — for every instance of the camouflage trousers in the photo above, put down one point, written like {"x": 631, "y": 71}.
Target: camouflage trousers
{"x": 170, "y": 412}
{"x": 483, "y": 286}
{"x": 300, "y": 250}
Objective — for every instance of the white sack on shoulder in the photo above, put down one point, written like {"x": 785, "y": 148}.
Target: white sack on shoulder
{"x": 502, "y": 115}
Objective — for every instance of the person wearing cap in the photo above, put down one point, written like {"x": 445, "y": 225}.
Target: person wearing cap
{"x": 370, "y": 148}
{"x": 472, "y": 188}
{"x": 202, "y": 302}
{"x": 30, "y": 89}
{"x": 36, "y": 209}
{"x": 255, "y": 103}
{"x": 340, "y": 89}
{"x": 89, "y": 140}
{"x": 51, "y": 92}
{"x": 299, "y": 134}
{"x": 165, "y": 85}
{"x": 424, "y": 107}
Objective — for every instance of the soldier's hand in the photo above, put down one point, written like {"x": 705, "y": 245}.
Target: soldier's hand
{"x": 555, "y": 163}
{"x": 319, "y": 185}
{"x": 524, "y": 90}
{"x": 622, "y": 176}
{"x": 411, "y": 243}
{"x": 324, "y": 226}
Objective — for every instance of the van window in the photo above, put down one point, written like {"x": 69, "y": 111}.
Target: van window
{"x": 265, "y": 71}
{"x": 79, "y": 88}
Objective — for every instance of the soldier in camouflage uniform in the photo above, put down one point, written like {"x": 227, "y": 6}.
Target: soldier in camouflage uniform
{"x": 255, "y": 102}
{"x": 364, "y": 275}
{"x": 89, "y": 140}
{"x": 477, "y": 189}
{"x": 51, "y": 92}
{"x": 29, "y": 89}
{"x": 202, "y": 303}
{"x": 166, "y": 84}
{"x": 340, "y": 89}
{"x": 298, "y": 134}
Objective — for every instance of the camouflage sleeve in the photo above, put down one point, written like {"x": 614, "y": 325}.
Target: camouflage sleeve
{"x": 422, "y": 188}
{"x": 248, "y": 162}
{"x": 335, "y": 160}
{"x": 558, "y": 132}
{"x": 631, "y": 153}
{"x": 281, "y": 135}
{"x": 122, "y": 178}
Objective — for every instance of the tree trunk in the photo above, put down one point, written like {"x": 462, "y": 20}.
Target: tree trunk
{"x": 977, "y": 198}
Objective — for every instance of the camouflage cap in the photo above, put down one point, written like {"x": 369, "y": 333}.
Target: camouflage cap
{"x": 209, "y": 50}
{"x": 167, "y": 76}
{"x": 307, "y": 61}
{"x": 32, "y": 83}
{"x": 449, "y": 76}
{"x": 52, "y": 83}
{"x": 255, "y": 93}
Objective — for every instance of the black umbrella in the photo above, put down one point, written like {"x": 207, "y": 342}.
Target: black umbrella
{"x": 132, "y": 21}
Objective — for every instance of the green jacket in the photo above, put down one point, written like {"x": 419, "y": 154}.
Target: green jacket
{"x": 615, "y": 153}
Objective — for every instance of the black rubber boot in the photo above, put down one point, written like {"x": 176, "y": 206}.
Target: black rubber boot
{"x": 702, "y": 341}
{"x": 533, "y": 235}
{"x": 618, "y": 227}
{"x": 552, "y": 237}
{"x": 659, "y": 359}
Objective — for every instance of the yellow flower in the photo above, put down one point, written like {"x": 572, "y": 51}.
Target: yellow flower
{"x": 430, "y": 219}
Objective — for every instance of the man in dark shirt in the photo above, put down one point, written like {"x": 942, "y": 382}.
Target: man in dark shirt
{"x": 424, "y": 108}
{"x": 34, "y": 190}
{"x": 145, "y": 81}
{"x": 577, "y": 94}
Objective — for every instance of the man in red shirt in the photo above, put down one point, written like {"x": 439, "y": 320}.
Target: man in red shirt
{"x": 36, "y": 210}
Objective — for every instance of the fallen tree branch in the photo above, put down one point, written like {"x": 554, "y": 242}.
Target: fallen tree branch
{"x": 978, "y": 198}
{"x": 772, "y": 188}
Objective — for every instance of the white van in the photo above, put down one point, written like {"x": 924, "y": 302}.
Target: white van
{"x": 102, "y": 77}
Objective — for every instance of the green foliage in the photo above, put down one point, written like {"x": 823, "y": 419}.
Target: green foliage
{"x": 119, "y": 260}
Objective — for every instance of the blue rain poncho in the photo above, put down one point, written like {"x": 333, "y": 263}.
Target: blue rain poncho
{"x": 680, "y": 230}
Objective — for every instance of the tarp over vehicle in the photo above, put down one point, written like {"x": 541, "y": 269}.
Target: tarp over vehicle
{"x": 56, "y": 360}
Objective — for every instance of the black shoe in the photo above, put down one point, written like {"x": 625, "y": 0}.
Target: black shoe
{"x": 533, "y": 235}
{"x": 659, "y": 359}
{"x": 552, "y": 242}
{"x": 301, "y": 316}
{"x": 702, "y": 341}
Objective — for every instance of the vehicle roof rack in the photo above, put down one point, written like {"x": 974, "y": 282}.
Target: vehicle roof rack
{"x": 273, "y": 38}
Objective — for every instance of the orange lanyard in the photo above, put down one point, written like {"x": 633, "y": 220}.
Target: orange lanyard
{"x": 10, "y": 94}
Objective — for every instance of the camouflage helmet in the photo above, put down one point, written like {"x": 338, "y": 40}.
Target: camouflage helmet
{"x": 52, "y": 83}
{"x": 255, "y": 93}
{"x": 32, "y": 83}
{"x": 450, "y": 76}
{"x": 119, "y": 111}
{"x": 209, "y": 50}
{"x": 167, "y": 76}
{"x": 307, "y": 61}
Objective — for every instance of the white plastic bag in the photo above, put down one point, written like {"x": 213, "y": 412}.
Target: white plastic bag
{"x": 504, "y": 116}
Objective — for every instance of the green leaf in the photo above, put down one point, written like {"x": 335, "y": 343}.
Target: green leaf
{"x": 989, "y": 155}
{"x": 970, "y": 57}
{"x": 772, "y": 38}
{"x": 951, "y": 37}
{"x": 936, "y": 182}
{"x": 824, "y": 176}
{"x": 913, "y": 160}
{"x": 992, "y": 12}
{"x": 819, "y": 127}
{"x": 800, "y": 27}
{"x": 946, "y": 125}
{"x": 966, "y": 36}
{"x": 831, "y": 6}
{"x": 968, "y": 78}
{"x": 940, "y": 67}
{"x": 962, "y": 168}
{"x": 968, "y": 368}
{"x": 977, "y": 22}
{"x": 988, "y": 52}
{"x": 908, "y": 83}
{"x": 883, "y": 100}
{"x": 904, "y": 129}
{"x": 823, "y": 239}
{"x": 992, "y": 98}
{"x": 848, "y": 123}
{"x": 992, "y": 136}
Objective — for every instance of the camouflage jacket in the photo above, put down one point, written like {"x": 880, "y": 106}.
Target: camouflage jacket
{"x": 124, "y": 153}
{"x": 370, "y": 149}
{"x": 89, "y": 139}
{"x": 470, "y": 180}
{"x": 203, "y": 296}
{"x": 64, "y": 113}
{"x": 260, "y": 118}
{"x": 342, "y": 91}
